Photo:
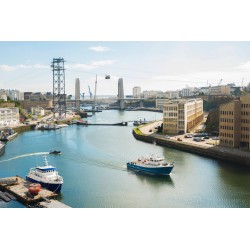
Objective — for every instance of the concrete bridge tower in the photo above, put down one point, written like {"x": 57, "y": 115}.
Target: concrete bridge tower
{"x": 77, "y": 93}
{"x": 121, "y": 93}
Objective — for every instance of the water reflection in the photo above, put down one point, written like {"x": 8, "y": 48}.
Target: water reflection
{"x": 153, "y": 180}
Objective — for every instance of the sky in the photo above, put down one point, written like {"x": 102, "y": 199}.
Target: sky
{"x": 152, "y": 65}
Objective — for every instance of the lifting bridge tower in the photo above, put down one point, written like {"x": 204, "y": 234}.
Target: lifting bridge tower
{"x": 59, "y": 96}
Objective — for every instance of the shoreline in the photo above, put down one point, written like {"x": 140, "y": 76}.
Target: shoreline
{"x": 212, "y": 151}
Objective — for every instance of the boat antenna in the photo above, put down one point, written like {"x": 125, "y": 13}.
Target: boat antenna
{"x": 45, "y": 160}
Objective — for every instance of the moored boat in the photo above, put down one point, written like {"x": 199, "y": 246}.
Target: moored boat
{"x": 2, "y": 148}
{"x": 154, "y": 165}
{"x": 8, "y": 134}
{"x": 46, "y": 175}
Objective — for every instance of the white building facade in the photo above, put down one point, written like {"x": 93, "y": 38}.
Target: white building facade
{"x": 9, "y": 116}
{"x": 39, "y": 111}
{"x": 181, "y": 116}
{"x": 136, "y": 92}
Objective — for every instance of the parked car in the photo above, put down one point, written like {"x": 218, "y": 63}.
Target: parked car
{"x": 197, "y": 139}
{"x": 179, "y": 139}
{"x": 215, "y": 138}
{"x": 167, "y": 136}
{"x": 188, "y": 136}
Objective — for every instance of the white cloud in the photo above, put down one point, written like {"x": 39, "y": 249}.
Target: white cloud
{"x": 99, "y": 48}
{"x": 244, "y": 66}
{"x": 90, "y": 65}
{"x": 5, "y": 67}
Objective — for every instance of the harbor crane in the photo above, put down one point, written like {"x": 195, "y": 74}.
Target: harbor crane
{"x": 90, "y": 93}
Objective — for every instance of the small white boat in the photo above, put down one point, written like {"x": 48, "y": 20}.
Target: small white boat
{"x": 47, "y": 176}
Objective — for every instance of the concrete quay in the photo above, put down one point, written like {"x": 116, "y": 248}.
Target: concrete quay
{"x": 19, "y": 188}
{"x": 208, "y": 148}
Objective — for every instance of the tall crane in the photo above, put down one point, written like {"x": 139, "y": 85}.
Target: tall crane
{"x": 220, "y": 82}
{"x": 90, "y": 93}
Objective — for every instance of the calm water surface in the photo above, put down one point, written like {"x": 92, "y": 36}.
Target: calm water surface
{"x": 93, "y": 165}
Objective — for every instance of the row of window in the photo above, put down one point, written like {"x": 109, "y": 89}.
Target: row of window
{"x": 244, "y": 129}
{"x": 227, "y": 127}
{"x": 171, "y": 114}
{"x": 226, "y": 119}
{"x": 243, "y": 136}
{"x": 244, "y": 113}
{"x": 227, "y": 135}
{"x": 226, "y": 142}
{"x": 226, "y": 112}
{"x": 171, "y": 108}
{"x": 170, "y": 120}
{"x": 170, "y": 125}
{"x": 244, "y": 120}
{"x": 245, "y": 105}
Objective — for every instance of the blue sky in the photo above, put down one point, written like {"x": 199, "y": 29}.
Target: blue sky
{"x": 150, "y": 65}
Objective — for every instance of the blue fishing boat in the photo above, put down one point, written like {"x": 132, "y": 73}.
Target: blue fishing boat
{"x": 154, "y": 165}
{"x": 47, "y": 176}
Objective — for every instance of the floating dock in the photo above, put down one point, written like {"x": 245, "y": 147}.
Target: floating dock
{"x": 18, "y": 187}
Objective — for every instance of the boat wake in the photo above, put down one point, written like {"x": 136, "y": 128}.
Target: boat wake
{"x": 25, "y": 155}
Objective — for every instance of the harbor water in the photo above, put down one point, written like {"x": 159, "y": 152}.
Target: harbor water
{"x": 93, "y": 165}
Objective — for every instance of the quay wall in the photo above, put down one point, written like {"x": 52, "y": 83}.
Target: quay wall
{"x": 216, "y": 152}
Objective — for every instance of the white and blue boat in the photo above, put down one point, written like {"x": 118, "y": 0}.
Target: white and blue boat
{"x": 152, "y": 164}
{"x": 47, "y": 176}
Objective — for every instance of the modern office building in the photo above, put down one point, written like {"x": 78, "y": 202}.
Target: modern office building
{"x": 234, "y": 123}
{"x": 9, "y": 116}
{"x": 77, "y": 93}
{"x": 181, "y": 116}
{"x": 137, "y": 92}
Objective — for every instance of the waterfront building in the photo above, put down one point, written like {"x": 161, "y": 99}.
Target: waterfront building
{"x": 9, "y": 116}
{"x": 173, "y": 94}
{"x": 234, "y": 123}
{"x": 39, "y": 111}
{"x": 182, "y": 115}
{"x": 77, "y": 93}
{"x": 151, "y": 93}
{"x": 220, "y": 90}
{"x": 137, "y": 92}
{"x": 3, "y": 97}
{"x": 186, "y": 92}
{"x": 28, "y": 104}
{"x": 160, "y": 103}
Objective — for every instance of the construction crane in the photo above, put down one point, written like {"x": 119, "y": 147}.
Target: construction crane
{"x": 90, "y": 93}
{"x": 220, "y": 82}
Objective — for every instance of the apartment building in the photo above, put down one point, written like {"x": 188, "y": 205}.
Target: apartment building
{"x": 234, "y": 123}
{"x": 9, "y": 116}
{"x": 137, "y": 92}
{"x": 181, "y": 116}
